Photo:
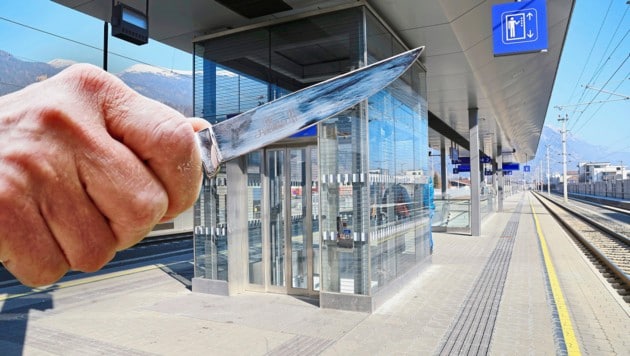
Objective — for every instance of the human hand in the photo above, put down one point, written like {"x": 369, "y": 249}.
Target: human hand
{"x": 87, "y": 168}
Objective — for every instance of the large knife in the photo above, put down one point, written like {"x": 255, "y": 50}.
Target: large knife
{"x": 291, "y": 113}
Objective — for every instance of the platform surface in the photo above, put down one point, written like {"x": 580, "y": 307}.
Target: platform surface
{"x": 482, "y": 295}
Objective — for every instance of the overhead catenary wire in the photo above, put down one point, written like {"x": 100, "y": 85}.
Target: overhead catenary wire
{"x": 601, "y": 105}
{"x": 614, "y": 39}
{"x": 599, "y": 91}
{"x": 590, "y": 52}
{"x": 76, "y": 42}
{"x": 600, "y": 66}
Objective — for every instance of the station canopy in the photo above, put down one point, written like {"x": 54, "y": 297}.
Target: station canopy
{"x": 511, "y": 93}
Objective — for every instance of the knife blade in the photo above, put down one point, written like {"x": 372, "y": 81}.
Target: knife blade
{"x": 299, "y": 110}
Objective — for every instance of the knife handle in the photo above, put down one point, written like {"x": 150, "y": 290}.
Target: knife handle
{"x": 209, "y": 154}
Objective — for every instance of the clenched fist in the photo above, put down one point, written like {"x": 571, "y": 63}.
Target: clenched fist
{"x": 87, "y": 168}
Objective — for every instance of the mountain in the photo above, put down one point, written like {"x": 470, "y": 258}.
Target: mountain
{"x": 15, "y": 74}
{"x": 61, "y": 63}
{"x": 169, "y": 87}
{"x": 578, "y": 151}
{"x": 173, "y": 88}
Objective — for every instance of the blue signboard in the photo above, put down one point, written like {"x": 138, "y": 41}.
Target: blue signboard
{"x": 519, "y": 27}
{"x": 466, "y": 160}
{"x": 509, "y": 166}
{"x": 463, "y": 168}
{"x": 462, "y": 160}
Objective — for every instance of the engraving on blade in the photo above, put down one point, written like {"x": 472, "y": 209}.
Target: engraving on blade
{"x": 289, "y": 114}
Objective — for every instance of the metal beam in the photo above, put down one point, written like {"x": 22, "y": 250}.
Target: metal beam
{"x": 445, "y": 130}
{"x": 475, "y": 181}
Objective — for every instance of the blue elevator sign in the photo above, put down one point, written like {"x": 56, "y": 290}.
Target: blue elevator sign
{"x": 519, "y": 27}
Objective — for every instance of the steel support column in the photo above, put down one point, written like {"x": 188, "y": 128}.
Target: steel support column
{"x": 443, "y": 166}
{"x": 500, "y": 178}
{"x": 475, "y": 211}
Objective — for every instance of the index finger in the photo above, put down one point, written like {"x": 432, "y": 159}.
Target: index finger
{"x": 158, "y": 135}
{"x": 165, "y": 140}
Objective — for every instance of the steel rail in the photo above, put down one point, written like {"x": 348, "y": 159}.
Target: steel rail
{"x": 598, "y": 204}
{"x": 616, "y": 271}
{"x": 601, "y": 227}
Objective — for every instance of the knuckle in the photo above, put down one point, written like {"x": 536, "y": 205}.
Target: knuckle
{"x": 90, "y": 79}
{"x": 44, "y": 276}
{"x": 149, "y": 207}
{"x": 14, "y": 194}
{"x": 144, "y": 212}
{"x": 8, "y": 192}
{"x": 92, "y": 261}
{"x": 39, "y": 271}
{"x": 182, "y": 164}
{"x": 175, "y": 135}
{"x": 128, "y": 236}
{"x": 83, "y": 72}
{"x": 141, "y": 214}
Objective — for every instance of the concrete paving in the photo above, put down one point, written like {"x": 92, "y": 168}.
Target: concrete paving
{"x": 145, "y": 311}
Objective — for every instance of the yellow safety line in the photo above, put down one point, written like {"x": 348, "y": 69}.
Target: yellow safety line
{"x": 82, "y": 281}
{"x": 563, "y": 311}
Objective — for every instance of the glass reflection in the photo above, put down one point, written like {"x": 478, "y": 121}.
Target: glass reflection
{"x": 210, "y": 231}
{"x": 299, "y": 266}
{"x": 275, "y": 164}
{"x": 254, "y": 224}
{"x": 315, "y": 213}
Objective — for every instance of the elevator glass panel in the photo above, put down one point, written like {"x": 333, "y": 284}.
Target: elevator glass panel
{"x": 315, "y": 214}
{"x": 254, "y": 212}
{"x": 299, "y": 204}
{"x": 277, "y": 187}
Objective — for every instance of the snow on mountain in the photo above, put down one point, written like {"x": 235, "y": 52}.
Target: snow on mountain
{"x": 226, "y": 73}
{"x": 61, "y": 63}
{"x": 173, "y": 88}
{"x": 145, "y": 68}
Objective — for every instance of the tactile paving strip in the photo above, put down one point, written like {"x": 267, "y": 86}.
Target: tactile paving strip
{"x": 471, "y": 330}
{"x": 301, "y": 345}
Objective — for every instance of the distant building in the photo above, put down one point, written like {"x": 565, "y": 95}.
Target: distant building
{"x": 558, "y": 179}
{"x": 572, "y": 177}
{"x": 590, "y": 172}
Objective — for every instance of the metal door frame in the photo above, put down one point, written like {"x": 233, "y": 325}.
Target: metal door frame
{"x": 308, "y": 222}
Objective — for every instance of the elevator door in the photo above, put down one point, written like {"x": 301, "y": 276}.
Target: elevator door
{"x": 293, "y": 225}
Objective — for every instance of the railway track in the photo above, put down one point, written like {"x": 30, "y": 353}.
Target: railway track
{"x": 602, "y": 238}
{"x": 152, "y": 240}
{"x": 613, "y": 206}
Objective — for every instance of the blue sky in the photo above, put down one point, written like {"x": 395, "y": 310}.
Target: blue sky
{"x": 596, "y": 54}
{"x": 44, "y": 18}
{"x": 596, "y": 47}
